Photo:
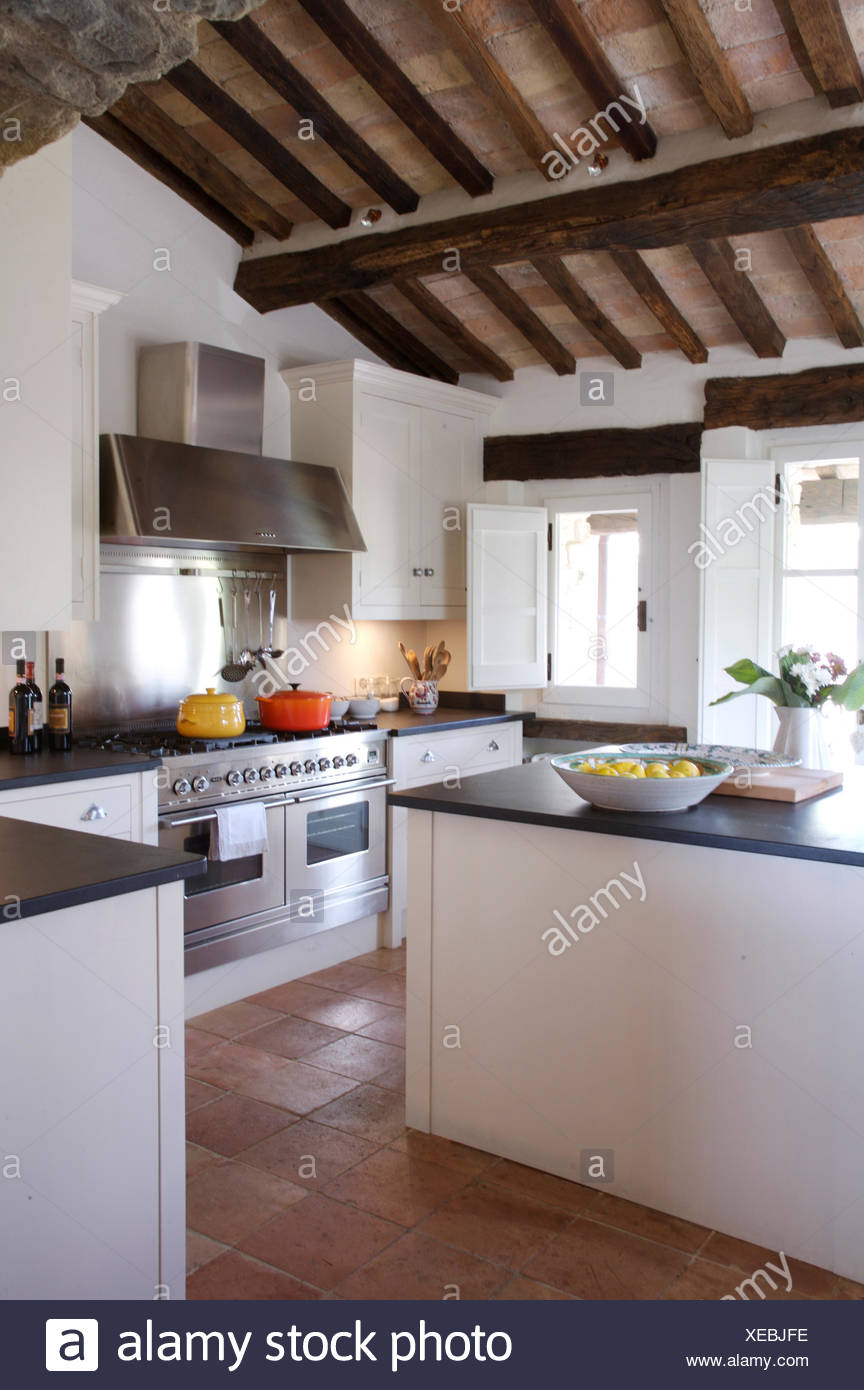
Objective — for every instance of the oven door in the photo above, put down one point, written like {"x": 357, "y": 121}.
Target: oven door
{"x": 231, "y": 888}
{"x": 336, "y": 840}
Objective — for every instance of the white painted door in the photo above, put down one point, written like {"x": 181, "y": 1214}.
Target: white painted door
{"x": 736, "y": 560}
{"x": 507, "y": 572}
{"x": 448, "y": 445}
{"x": 387, "y": 501}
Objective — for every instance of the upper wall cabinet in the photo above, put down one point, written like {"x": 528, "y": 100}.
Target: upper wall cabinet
{"x": 410, "y": 452}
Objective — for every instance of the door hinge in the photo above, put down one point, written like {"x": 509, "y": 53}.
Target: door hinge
{"x": 642, "y": 615}
{"x": 549, "y": 536}
{"x": 548, "y": 666}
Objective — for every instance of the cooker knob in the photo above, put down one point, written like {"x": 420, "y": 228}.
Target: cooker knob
{"x": 233, "y": 778}
{"x": 310, "y": 766}
{"x": 296, "y": 769}
{"x": 281, "y": 770}
{"x": 200, "y": 784}
{"x": 351, "y": 760}
{"x": 267, "y": 774}
{"x": 338, "y": 762}
{"x": 251, "y": 774}
{"x": 183, "y": 787}
{"x": 323, "y": 764}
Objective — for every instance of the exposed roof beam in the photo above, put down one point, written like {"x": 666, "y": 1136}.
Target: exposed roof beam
{"x": 530, "y": 325}
{"x": 376, "y": 67}
{"x": 597, "y": 453}
{"x": 444, "y": 319}
{"x": 786, "y": 400}
{"x": 646, "y": 284}
{"x": 720, "y": 87}
{"x": 125, "y": 140}
{"x": 467, "y": 43}
{"x": 738, "y": 293}
{"x": 370, "y": 324}
{"x": 249, "y": 40}
{"x": 556, "y": 275}
{"x": 236, "y": 121}
{"x": 149, "y": 121}
{"x": 762, "y": 190}
{"x": 814, "y": 261}
{"x": 835, "y": 63}
{"x": 578, "y": 43}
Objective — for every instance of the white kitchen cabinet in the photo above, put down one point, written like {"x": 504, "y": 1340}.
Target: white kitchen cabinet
{"x": 124, "y": 807}
{"x": 507, "y": 597}
{"x": 448, "y": 757}
{"x": 410, "y": 452}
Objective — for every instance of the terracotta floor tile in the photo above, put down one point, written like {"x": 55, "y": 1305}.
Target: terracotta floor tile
{"x": 343, "y": 1011}
{"x": 808, "y": 1280}
{"x": 230, "y": 1199}
{"x": 234, "y": 1018}
{"x": 497, "y": 1225}
{"x": 288, "y": 998}
{"x": 389, "y": 1029}
{"x": 532, "y": 1182}
{"x": 520, "y": 1289}
{"x": 361, "y": 1058}
{"x": 292, "y": 1037}
{"x": 704, "y": 1281}
{"x": 200, "y": 1249}
{"x": 296, "y": 1086}
{"x": 396, "y": 1186}
{"x": 229, "y": 1063}
{"x": 321, "y": 1241}
{"x": 418, "y": 1268}
{"x": 343, "y": 977}
{"x": 596, "y": 1262}
{"x": 200, "y": 1093}
{"x": 847, "y": 1288}
{"x": 235, "y": 1276}
{"x": 369, "y": 1112}
{"x": 437, "y": 1150}
{"x": 392, "y": 1078}
{"x": 198, "y": 1044}
{"x": 383, "y": 959}
{"x": 308, "y": 1153}
{"x": 389, "y": 989}
{"x": 643, "y": 1221}
{"x": 233, "y": 1123}
{"x": 198, "y": 1158}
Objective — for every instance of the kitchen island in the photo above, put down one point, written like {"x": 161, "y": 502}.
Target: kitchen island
{"x": 665, "y": 1007}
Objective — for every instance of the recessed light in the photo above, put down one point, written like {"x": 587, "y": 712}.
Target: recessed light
{"x": 598, "y": 164}
{"x": 371, "y": 216}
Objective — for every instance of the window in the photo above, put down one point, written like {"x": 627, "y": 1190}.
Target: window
{"x": 598, "y": 622}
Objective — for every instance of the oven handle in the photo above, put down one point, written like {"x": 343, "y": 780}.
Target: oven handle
{"x": 211, "y": 815}
{"x": 344, "y": 791}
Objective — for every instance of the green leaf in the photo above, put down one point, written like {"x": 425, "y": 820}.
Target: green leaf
{"x": 851, "y": 693}
{"x": 746, "y": 671}
{"x": 766, "y": 684}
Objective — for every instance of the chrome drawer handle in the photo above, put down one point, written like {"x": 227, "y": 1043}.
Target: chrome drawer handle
{"x": 417, "y": 572}
{"x": 428, "y": 573}
{"x": 492, "y": 747}
{"x": 429, "y": 757}
{"x": 95, "y": 812}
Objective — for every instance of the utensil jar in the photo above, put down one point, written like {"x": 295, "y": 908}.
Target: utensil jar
{"x": 422, "y": 695}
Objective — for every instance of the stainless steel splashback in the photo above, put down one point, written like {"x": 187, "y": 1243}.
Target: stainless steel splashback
{"x": 159, "y": 636}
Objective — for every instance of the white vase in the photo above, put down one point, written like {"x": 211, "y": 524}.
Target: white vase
{"x": 802, "y": 735}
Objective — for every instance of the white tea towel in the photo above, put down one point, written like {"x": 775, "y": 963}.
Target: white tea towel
{"x": 240, "y": 831}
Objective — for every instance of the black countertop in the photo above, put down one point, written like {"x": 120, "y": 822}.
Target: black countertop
{"x": 407, "y": 722}
{"x": 829, "y": 827}
{"x": 43, "y": 869}
{"x": 46, "y": 769}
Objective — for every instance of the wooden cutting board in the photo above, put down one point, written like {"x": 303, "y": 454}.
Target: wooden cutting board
{"x": 781, "y": 784}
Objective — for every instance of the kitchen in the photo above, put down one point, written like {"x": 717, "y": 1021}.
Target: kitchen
{"x": 254, "y": 474}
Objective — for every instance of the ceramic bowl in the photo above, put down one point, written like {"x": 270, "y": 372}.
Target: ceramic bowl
{"x": 338, "y": 708}
{"x": 363, "y": 709}
{"x": 639, "y": 794}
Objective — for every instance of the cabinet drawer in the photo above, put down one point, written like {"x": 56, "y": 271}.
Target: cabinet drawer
{"x": 461, "y": 754}
{"x": 105, "y": 811}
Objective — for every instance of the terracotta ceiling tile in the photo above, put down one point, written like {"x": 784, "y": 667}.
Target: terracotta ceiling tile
{"x": 653, "y": 342}
{"x": 494, "y": 17}
{"x": 642, "y": 50}
{"x": 524, "y": 357}
{"x": 753, "y": 62}
{"x": 436, "y": 72}
{"x": 675, "y": 120}
{"x": 840, "y": 229}
{"x": 533, "y": 61}
{"x": 323, "y": 66}
{"x": 732, "y": 26}
{"x": 288, "y": 25}
{"x": 251, "y": 91}
{"x": 217, "y": 57}
{"x": 181, "y": 110}
{"x": 618, "y": 16}
{"x": 777, "y": 91}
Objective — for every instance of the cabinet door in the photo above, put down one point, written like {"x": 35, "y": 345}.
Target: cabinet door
{"x": 387, "y": 503}
{"x": 507, "y": 569}
{"x": 449, "y": 444}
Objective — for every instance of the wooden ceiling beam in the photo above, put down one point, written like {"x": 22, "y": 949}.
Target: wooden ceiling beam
{"x": 438, "y": 313}
{"x": 249, "y": 40}
{"x": 579, "y": 45}
{"x": 255, "y": 139}
{"x": 822, "y": 29}
{"x": 786, "y": 400}
{"x": 384, "y": 335}
{"x": 601, "y": 453}
{"x": 149, "y": 122}
{"x": 653, "y": 295}
{"x": 769, "y": 189}
{"x": 739, "y": 295}
{"x": 467, "y": 43}
{"x": 354, "y": 41}
{"x": 125, "y": 140}
{"x": 710, "y": 66}
{"x": 813, "y": 259}
{"x": 530, "y": 325}
{"x": 571, "y": 293}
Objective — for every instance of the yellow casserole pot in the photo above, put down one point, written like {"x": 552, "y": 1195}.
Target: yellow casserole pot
{"x": 212, "y": 715}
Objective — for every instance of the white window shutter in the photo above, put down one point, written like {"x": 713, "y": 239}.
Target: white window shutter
{"x": 507, "y": 573}
{"x": 737, "y": 595}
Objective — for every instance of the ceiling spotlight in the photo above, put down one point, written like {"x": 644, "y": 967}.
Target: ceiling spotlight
{"x": 370, "y": 217}
{"x": 598, "y": 164}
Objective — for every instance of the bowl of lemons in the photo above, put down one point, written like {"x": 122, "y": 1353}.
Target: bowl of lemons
{"x": 619, "y": 782}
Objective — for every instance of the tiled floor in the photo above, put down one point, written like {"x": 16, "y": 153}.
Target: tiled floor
{"x": 304, "y": 1182}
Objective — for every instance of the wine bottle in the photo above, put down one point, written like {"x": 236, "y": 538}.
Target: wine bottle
{"x": 59, "y": 712}
{"x": 38, "y": 706}
{"x": 21, "y": 703}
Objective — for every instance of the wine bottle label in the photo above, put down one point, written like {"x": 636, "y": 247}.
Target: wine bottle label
{"x": 58, "y": 719}
{"x": 31, "y": 720}
{"x": 38, "y": 716}
{"x": 11, "y": 721}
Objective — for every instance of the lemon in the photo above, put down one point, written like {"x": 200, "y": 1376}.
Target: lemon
{"x": 673, "y": 773}
{"x": 606, "y": 771}
{"x": 686, "y": 769}
{"x": 656, "y": 770}
{"x": 638, "y": 770}
{"x": 631, "y": 775}
{"x": 623, "y": 765}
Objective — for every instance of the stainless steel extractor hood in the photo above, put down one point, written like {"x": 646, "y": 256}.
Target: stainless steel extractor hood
{"x": 207, "y": 483}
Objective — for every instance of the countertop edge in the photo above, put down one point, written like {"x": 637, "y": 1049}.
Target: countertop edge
{"x": 463, "y": 720}
{"x": 77, "y": 774}
{"x": 110, "y": 888}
